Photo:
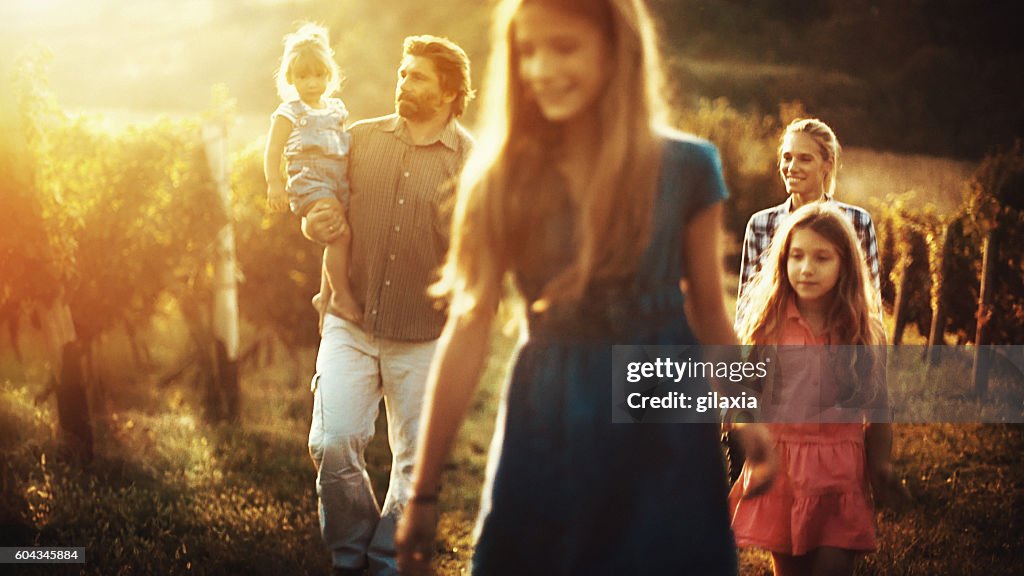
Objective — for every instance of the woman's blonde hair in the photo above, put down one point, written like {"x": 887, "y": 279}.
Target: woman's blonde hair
{"x": 828, "y": 145}
{"x": 494, "y": 207}
{"x": 852, "y": 315}
{"x": 308, "y": 48}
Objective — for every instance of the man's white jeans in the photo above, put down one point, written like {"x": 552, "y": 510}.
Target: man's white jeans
{"x": 353, "y": 371}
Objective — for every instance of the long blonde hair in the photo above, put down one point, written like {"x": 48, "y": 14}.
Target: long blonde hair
{"x": 852, "y": 315}
{"x": 494, "y": 207}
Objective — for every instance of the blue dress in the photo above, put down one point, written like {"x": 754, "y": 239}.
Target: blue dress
{"x": 573, "y": 493}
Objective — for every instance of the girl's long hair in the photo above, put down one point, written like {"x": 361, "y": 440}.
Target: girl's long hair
{"x": 852, "y": 315}
{"x": 495, "y": 206}
{"x": 858, "y": 354}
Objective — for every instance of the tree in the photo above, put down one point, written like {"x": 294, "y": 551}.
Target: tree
{"x": 124, "y": 217}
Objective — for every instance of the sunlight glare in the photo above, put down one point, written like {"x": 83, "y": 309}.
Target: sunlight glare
{"x": 17, "y": 9}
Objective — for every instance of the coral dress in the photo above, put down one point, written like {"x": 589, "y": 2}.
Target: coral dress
{"x": 570, "y": 492}
{"x": 821, "y": 495}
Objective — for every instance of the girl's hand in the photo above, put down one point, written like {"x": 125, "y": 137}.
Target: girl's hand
{"x": 414, "y": 539}
{"x": 762, "y": 461}
{"x": 277, "y": 199}
{"x": 887, "y": 488}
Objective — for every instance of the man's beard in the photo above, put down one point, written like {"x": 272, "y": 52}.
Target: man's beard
{"x": 412, "y": 108}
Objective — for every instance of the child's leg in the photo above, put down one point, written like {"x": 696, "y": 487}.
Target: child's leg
{"x": 830, "y": 561}
{"x": 336, "y": 260}
{"x": 788, "y": 565}
{"x": 323, "y": 297}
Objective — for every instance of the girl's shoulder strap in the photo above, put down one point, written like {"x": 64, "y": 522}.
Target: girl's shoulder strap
{"x": 336, "y": 103}
{"x": 338, "y": 106}
{"x": 297, "y": 108}
{"x": 292, "y": 110}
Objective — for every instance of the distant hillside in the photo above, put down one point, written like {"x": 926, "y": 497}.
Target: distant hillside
{"x": 930, "y": 76}
{"x": 869, "y": 175}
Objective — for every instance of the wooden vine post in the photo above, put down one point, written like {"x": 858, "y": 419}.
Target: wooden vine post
{"x": 223, "y": 396}
{"x": 982, "y": 350}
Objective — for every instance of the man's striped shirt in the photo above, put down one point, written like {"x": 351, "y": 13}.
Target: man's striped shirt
{"x": 400, "y": 214}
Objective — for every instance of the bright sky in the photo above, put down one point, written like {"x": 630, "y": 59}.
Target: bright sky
{"x": 127, "y": 59}
{"x": 145, "y": 53}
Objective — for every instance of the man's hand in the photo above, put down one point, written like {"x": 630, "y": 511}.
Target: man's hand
{"x": 323, "y": 224}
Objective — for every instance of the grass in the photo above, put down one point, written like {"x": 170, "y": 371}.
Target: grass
{"x": 171, "y": 494}
{"x": 944, "y": 392}
{"x": 166, "y": 494}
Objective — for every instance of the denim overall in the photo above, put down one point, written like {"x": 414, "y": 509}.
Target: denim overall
{"x": 318, "y": 158}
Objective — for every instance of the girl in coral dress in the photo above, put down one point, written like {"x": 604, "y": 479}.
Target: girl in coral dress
{"x": 817, "y": 326}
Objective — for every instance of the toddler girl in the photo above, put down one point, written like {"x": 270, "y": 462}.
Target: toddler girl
{"x": 308, "y": 129}
{"x": 814, "y": 299}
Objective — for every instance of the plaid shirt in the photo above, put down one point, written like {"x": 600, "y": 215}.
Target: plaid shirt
{"x": 762, "y": 226}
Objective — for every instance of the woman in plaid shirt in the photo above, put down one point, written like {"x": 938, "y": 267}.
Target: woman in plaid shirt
{"x": 809, "y": 155}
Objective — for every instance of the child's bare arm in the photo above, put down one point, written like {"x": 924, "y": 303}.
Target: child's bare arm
{"x": 280, "y": 128}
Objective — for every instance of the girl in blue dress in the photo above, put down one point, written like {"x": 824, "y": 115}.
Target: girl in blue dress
{"x": 596, "y": 218}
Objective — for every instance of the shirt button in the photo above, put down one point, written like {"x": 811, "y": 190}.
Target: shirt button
{"x": 387, "y": 282}
{"x": 374, "y": 311}
{"x": 401, "y": 200}
{"x": 392, "y": 257}
{"x": 406, "y": 174}
{"x": 397, "y": 228}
